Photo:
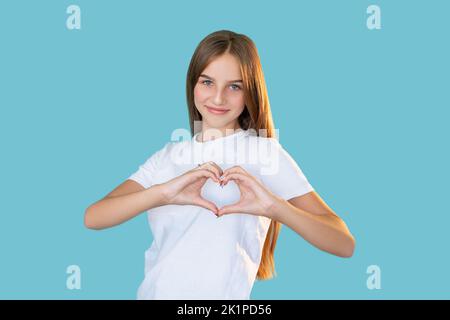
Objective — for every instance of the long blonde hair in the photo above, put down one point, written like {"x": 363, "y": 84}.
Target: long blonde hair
{"x": 256, "y": 114}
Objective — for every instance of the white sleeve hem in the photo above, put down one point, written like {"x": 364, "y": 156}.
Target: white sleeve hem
{"x": 297, "y": 193}
{"x": 138, "y": 180}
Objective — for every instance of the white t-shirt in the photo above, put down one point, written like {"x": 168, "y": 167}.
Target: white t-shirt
{"x": 194, "y": 254}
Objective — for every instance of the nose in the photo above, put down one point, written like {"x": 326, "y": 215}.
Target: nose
{"x": 219, "y": 98}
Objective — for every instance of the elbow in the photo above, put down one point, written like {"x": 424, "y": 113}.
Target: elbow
{"x": 89, "y": 221}
{"x": 349, "y": 248}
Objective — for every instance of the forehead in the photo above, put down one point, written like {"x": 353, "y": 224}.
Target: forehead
{"x": 225, "y": 67}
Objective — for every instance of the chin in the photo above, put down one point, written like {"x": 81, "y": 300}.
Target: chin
{"x": 214, "y": 123}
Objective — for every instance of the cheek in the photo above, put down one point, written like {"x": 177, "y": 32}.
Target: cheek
{"x": 237, "y": 101}
{"x": 200, "y": 94}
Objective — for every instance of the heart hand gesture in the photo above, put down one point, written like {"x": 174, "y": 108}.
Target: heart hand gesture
{"x": 185, "y": 189}
{"x": 255, "y": 197}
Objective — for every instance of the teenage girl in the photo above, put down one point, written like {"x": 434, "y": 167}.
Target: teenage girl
{"x": 216, "y": 201}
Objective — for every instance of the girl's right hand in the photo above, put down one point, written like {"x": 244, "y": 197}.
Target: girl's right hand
{"x": 186, "y": 188}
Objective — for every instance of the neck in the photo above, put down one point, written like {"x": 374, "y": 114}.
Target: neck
{"x": 210, "y": 133}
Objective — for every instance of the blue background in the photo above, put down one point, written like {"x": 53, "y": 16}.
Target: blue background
{"x": 363, "y": 112}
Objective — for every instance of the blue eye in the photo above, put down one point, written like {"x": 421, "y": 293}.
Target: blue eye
{"x": 235, "y": 87}
{"x": 207, "y": 82}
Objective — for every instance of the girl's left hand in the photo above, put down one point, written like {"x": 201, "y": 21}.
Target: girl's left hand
{"x": 255, "y": 198}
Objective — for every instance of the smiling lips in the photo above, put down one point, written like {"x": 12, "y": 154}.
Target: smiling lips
{"x": 217, "y": 110}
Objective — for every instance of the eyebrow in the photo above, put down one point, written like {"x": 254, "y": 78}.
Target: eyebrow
{"x": 206, "y": 76}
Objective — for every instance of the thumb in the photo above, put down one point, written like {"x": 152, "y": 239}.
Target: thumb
{"x": 207, "y": 205}
{"x": 233, "y": 208}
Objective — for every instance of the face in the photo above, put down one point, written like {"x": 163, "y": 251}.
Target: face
{"x": 219, "y": 93}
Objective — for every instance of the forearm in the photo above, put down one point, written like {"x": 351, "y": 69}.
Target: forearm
{"x": 326, "y": 232}
{"x": 112, "y": 211}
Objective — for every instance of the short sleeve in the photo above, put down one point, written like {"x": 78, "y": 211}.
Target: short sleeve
{"x": 285, "y": 178}
{"x": 146, "y": 171}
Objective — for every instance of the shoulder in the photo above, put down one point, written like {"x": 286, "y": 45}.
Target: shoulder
{"x": 167, "y": 148}
{"x": 161, "y": 153}
{"x": 172, "y": 151}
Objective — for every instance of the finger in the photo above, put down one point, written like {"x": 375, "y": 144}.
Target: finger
{"x": 214, "y": 165}
{"x": 213, "y": 168}
{"x": 234, "y": 169}
{"x": 239, "y": 177}
{"x": 233, "y": 208}
{"x": 215, "y": 173}
{"x": 209, "y": 166}
{"x": 207, "y": 205}
{"x": 206, "y": 173}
